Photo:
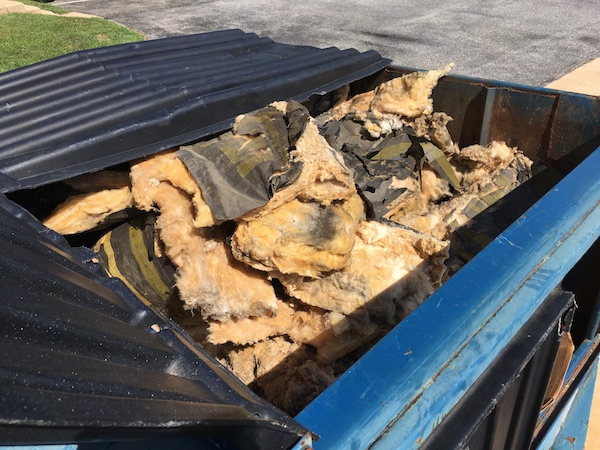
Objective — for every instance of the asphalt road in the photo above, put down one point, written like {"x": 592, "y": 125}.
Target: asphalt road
{"x": 530, "y": 42}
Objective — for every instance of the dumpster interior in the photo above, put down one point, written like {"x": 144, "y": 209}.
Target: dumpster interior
{"x": 286, "y": 270}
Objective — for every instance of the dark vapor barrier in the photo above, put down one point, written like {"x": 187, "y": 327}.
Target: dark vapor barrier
{"x": 97, "y": 108}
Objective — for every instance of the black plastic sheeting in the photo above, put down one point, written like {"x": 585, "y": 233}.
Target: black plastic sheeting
{"x": 82, "y": 359}
{"x": 93, "y": 109}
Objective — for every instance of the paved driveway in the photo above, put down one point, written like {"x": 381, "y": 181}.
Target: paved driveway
{"x": 530, "y": 42}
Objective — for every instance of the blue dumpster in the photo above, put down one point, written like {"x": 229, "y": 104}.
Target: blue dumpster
{"x": 87, "y": 364}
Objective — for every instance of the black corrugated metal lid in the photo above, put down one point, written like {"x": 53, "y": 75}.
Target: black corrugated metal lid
{"x": 92, "y": 109}
{"x": 83, "y": 359}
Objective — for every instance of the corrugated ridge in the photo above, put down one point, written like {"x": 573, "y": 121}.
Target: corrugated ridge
{"x": 108, "y": 106}
{"x": 97, "y": 108}
{"x": 71, "y": 73}
{"x": 23, "y": 77}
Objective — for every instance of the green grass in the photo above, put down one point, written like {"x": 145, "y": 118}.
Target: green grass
{"x": 29, "y": 38}
{"x": 54, "y": 9}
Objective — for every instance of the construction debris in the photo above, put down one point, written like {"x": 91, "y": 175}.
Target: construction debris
{"x": 293, "y": 242}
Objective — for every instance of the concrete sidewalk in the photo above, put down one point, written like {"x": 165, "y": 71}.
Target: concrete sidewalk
{"x": 10, "y": 6}
{"x": 583, "y": 80}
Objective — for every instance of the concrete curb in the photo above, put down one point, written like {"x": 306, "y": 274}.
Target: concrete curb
{"x": 8, "y": 6}
{"x": 583, "y": 80}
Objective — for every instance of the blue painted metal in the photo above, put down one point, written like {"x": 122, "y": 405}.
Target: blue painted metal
{"x": 569, "y": 430}
{"x": 396, "y": 394}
